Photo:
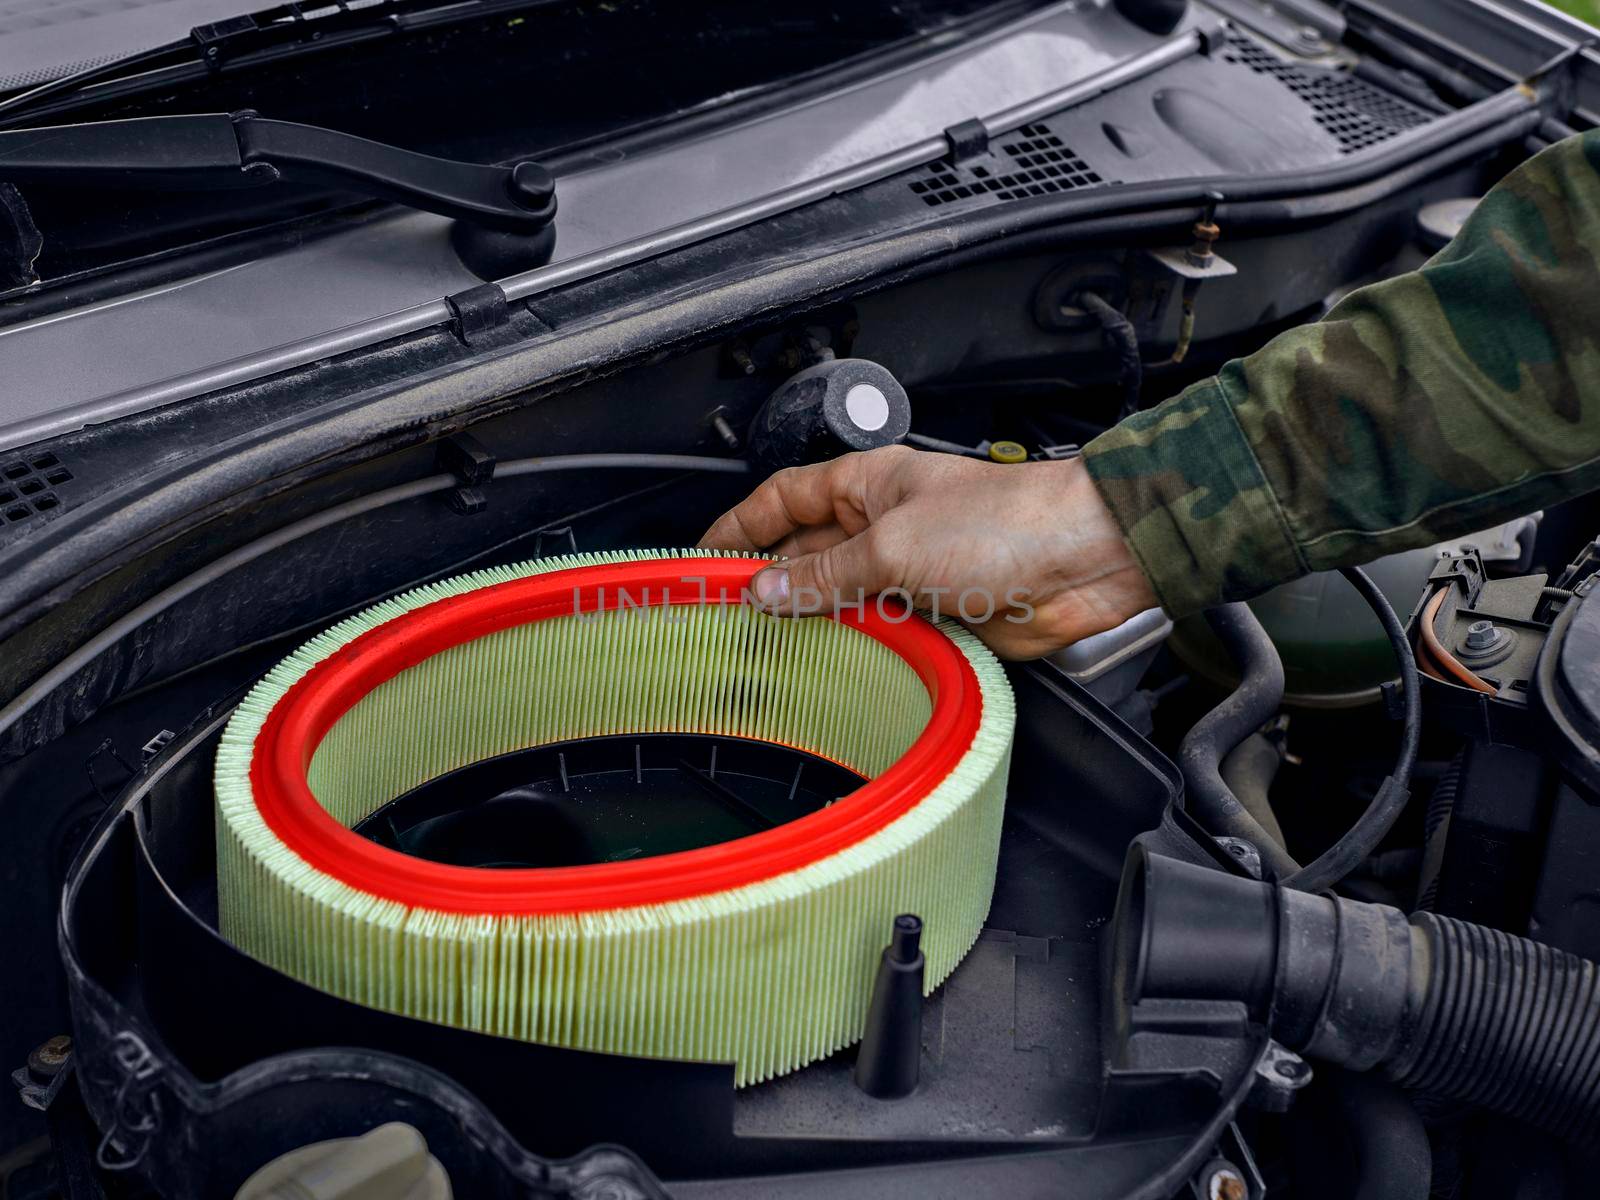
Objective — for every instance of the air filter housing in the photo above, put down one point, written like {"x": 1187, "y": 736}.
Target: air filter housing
{"x": 758, "y": 950}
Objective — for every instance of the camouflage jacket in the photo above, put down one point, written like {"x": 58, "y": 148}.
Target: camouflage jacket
{"x": 1425, "y": 407}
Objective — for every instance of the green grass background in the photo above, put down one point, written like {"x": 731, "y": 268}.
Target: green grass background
{"x": 1588, "y": 10}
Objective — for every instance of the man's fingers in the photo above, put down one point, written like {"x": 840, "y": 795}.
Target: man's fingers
{"x": 811, "y": 540}
{"x": 793, "y": 498}
{"x": 843, "y": 490}
{"x": 817, "y": 583}
{"x": 727, "y": 532}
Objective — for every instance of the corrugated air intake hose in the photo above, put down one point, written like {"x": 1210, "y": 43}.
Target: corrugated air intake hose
{"x": 1440, "y": 1005}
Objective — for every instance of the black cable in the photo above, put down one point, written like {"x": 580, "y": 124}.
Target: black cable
{"x": 1251, "y": 705}
{"x": 1119, "y": 334}
{"x": 924, "y": 442}
{"x": 1436, "y": 829}
{"x": 1351, "y": 850}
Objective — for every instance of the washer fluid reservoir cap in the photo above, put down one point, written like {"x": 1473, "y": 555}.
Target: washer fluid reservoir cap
{"x": 829, "y": 409}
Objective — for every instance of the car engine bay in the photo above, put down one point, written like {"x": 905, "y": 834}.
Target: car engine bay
{"x": 1293, "y": 899}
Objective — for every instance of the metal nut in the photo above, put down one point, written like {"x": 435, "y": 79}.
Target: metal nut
{"x": 1225, "y": 1183}
{"x": 47, "y": 1060}
{"x": 1486, "y": 643}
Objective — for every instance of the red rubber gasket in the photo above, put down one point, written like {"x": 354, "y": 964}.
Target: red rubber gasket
{"x": 302, "y": 718}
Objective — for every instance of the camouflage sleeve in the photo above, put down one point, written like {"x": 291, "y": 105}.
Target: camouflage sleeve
{"x": 1421, "y": 408}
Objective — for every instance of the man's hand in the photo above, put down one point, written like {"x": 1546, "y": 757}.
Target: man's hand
{"x": 1027, "y": 554}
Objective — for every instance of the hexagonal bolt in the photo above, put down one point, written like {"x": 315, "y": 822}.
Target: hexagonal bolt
{"x": 1481, "y": 635}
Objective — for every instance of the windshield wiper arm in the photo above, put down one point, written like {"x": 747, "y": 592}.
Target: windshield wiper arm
{"x": 220, "y": 151}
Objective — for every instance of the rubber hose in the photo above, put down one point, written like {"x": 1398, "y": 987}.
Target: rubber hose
{"x": 1509, "y": 1025}
{"x": 1252, "y": 704}
{"x": 1249, "y": 770}
{"x": 1393, "y": 1160}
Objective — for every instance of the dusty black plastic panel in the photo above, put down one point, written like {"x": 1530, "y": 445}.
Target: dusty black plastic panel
{"x": 1030, "y": 162}
{"x": 29, "y": 480}
{"x": 1355, "y": 113}
{"x": 1013, "y": 1034}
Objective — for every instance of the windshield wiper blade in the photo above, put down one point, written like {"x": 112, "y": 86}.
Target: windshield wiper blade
{"x": 118, "y": 68}
{"x": 271, "y": 32}
{"x": 221, "y": 151}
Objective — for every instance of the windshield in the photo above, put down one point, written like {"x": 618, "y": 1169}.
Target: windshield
{"x": 41, "y": 40}
{"x": 482, "y": 82}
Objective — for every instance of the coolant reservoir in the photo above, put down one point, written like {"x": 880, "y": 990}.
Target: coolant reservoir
{"x": 1334, "y": 651}
{"x": 389, "y": 1163}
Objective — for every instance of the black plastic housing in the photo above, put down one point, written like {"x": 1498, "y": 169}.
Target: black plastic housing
{"x": 1013, "y": 1035}
{"x": 1329, "y": 976}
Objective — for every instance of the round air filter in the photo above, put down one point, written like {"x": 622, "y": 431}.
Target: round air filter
{"x": 452, "y": 806}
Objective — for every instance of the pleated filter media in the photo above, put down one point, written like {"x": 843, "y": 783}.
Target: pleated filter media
{"x": 760, "y": 950}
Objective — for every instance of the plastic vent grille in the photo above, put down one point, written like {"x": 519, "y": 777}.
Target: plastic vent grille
{"x": 27, "y": 487}
{"x": 1357, "y": 114}
{"x": 1031, "y": 162}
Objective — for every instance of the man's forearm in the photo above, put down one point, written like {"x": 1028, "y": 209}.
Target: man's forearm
{"x": 1424, "y": 407}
